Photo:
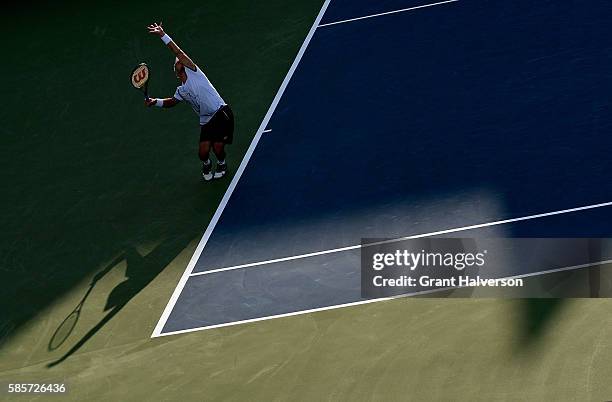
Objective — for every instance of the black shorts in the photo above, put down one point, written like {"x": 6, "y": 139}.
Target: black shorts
{"x": 220, "y": 128}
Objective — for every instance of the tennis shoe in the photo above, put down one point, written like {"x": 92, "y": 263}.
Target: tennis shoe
{"x": 220, "y": 170}
{"x": 207, "y": 174}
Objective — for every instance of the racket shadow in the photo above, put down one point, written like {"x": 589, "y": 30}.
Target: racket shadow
{"x": 67, "y": 326}
{"x": 65, "y": 329}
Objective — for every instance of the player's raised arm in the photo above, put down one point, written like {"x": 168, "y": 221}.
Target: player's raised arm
{"x": 157, "y": 29}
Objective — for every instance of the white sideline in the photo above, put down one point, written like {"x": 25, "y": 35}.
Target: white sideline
{"x": 337, "y": 306}
{"x": 439, "y": 232}
{"x": 177, "y": 292}
{"x": 387, "y": 13}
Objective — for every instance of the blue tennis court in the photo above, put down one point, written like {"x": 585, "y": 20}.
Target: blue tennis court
{"x": 407, "y": 118}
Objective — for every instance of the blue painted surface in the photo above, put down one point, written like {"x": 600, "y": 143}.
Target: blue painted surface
{"x": 450, "y": 116}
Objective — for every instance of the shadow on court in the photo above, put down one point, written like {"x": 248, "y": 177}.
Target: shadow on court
{"x": 537, "y": 315}
{"x": 139, "y": 273}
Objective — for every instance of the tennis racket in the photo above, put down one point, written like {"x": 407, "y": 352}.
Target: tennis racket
{"x": 140, "y": 79}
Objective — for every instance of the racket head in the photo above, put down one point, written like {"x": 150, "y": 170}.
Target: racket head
{"x": 64, "y": 330}
{"x": 140, "y": 77}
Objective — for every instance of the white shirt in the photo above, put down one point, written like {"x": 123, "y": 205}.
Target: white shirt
{"x": 200, "y": 94}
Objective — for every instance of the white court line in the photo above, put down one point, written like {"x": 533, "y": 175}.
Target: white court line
{"x": 387, "y": 13}
{"x": 267, "y": 131}
{"x": 439, "y": 232}
{"x": 177, "y": 292}
{"x": 337, "y": 306}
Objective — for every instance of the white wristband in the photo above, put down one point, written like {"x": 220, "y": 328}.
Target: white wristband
{"x": 166, "y": 39}
{"x": 159, "y": 103}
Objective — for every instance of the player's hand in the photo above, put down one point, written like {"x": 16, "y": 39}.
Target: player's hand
{"x": 150, "y": 102}
{"x": 156, "y": 29}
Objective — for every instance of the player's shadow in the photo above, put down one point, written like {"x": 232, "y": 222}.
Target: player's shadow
{"x": 140, "y": 271}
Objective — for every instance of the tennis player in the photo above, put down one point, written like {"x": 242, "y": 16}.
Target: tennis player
{"x": 216, "y": 117}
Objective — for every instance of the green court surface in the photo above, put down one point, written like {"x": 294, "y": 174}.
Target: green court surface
{"x": 96, "y": 186}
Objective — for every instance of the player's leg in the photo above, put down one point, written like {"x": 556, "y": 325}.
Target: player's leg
{"x": 204, "y": 154}
{"x": 223, "y": 135}
{"x": 219, "y": 150}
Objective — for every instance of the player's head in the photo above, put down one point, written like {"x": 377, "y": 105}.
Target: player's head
{"x": 179, "y": 70}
